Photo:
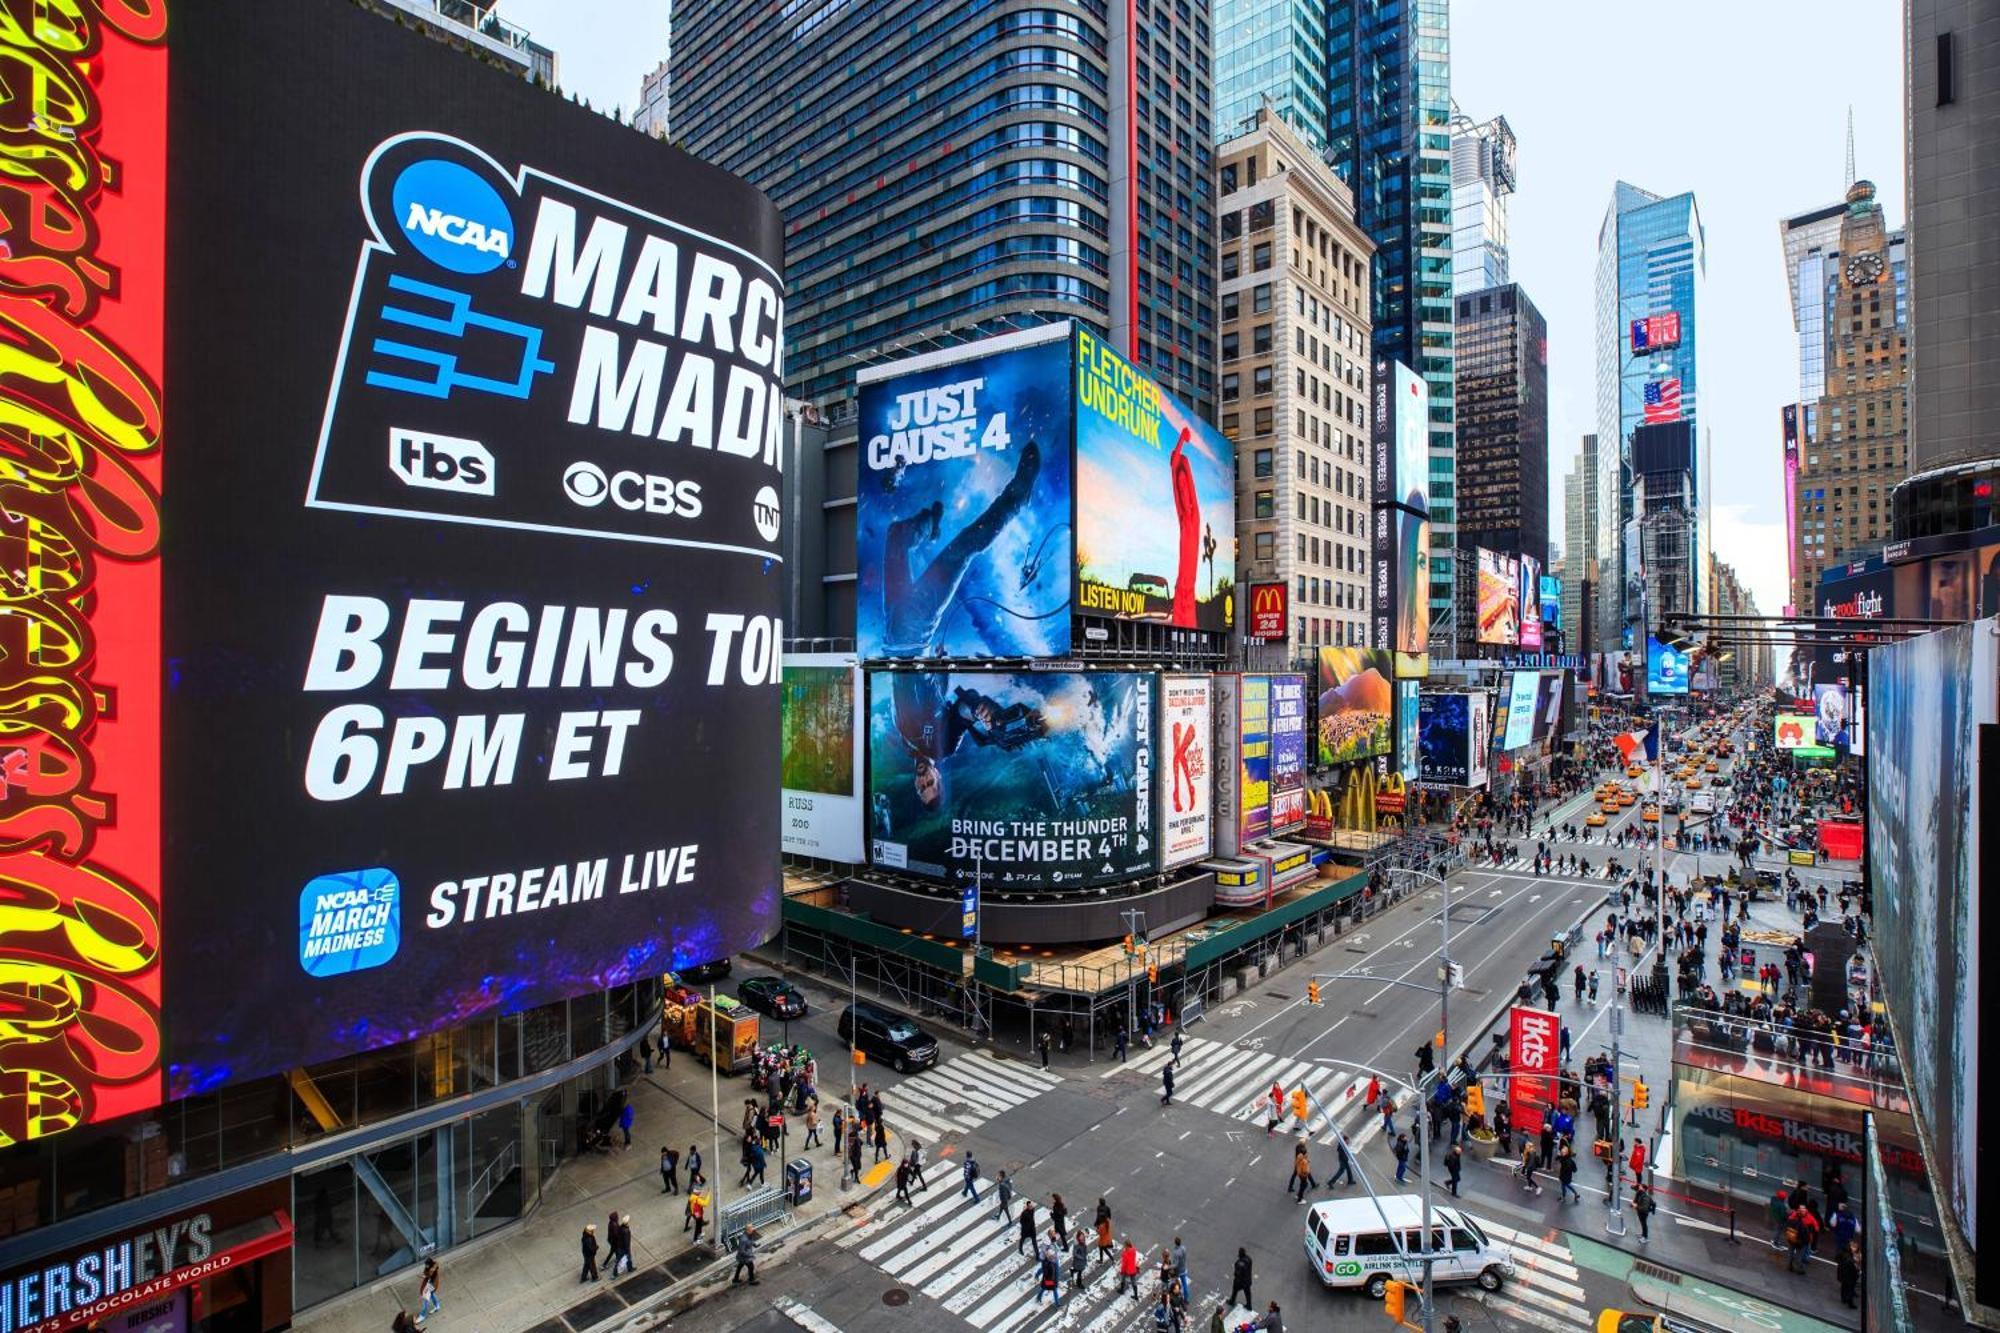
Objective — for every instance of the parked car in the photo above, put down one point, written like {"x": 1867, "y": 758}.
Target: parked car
{"x": 700, "y": 972}
{"x": 888, "y": 1035}
{"x": 772, "y": 995}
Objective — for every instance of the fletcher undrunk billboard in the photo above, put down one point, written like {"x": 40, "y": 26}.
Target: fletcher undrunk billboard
{"x": 1155, "y": 500}
{"x": 450, "y": 492}
{"x": 963, "y": 502}
{"x": 1013, "y": 779}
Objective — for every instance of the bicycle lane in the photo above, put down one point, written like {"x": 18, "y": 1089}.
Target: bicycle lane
{"x": 1677, "y": 1293}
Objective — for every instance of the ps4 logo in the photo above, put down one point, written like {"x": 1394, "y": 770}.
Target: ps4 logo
{"x": 455, "y": 229}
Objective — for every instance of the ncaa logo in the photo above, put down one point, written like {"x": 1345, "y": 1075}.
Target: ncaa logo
{"x": 452, "y": 216}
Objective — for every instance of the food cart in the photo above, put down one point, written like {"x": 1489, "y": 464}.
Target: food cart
{"x": 724, "y": 1033}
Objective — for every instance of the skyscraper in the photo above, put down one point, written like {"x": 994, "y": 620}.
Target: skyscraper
{"x": 1295, "y": 377}
{"x": 1384, "y": 68}
{"x": 1482, "y": 178}
{"x": 1502, "y": 350}
{"x": 1951, "y": 93}
{"x": 1852, "y": 445}
{"x": 1580, "y": 576}
{"x": 960, "y": 169}
{"x": 1651, "y": 265}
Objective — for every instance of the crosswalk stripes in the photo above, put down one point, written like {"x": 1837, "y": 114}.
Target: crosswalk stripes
{"x": 1543, "y": 1292}
{"x": 958, "y": 1096}
{"x": 967, "y": 1257}
{"x": 1236, "y": 1082}
{"x": 804, "y": 1315}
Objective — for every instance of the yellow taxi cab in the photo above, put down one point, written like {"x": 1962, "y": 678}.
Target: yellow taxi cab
{"x": 1694, "y": 784}
{"x": 1712, "y": 767}
{"x": 1650, "y": 814}
{"x": 1594, "y": 820}
{"x": 1627, "y": 800}
{"x": 1628, "y": 1321}
{"x": 1632, "y": 771}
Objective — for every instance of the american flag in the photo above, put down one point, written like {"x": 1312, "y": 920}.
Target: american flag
{"x": 1663, "y": 400}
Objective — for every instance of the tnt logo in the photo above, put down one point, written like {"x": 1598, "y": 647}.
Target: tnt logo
{"x": 349, "y": 922}
{"x": 453, "y": 217}
{"x": 440, "y": 462}
{"x": 764, "y": 513}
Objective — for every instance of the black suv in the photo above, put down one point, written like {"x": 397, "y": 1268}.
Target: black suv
{"x": 772, "y": 995}
{"x": 888, "y": 1035}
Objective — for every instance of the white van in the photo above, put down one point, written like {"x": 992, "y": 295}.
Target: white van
{"x": 1348, "y": 1245}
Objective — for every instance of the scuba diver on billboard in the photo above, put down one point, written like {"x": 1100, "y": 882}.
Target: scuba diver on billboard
{"x": 916, "y": 602}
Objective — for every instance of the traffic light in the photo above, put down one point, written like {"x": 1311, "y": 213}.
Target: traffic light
{"x": 1438, "y": 1040}
{"x": 1312, "y": 992}
{"x": 1641, "y": 1094}
{"x": 1128, "y": 945}
{"x": 1392, "y": 1299}
{"x": 1475, "y": 1099}
{"x": 1153, "y": 973}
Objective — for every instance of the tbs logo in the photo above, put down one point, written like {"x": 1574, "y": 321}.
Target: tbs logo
{"x": 453, "y": 217}
{"x": 440, "y": 462}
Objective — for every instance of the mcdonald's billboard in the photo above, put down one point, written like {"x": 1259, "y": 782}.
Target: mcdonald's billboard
{"x": 1269, "y": 614}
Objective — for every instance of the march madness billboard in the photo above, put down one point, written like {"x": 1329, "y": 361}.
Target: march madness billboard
{"x": 1155, "y": 500}
{"x": 425, "y": 537}
{"x": 1014, "y": 779}
{"x": 963, "y": 546}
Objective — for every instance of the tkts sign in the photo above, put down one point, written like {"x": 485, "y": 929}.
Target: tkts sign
{"x": 1534, "y": 1041}
{"x": 1269, "y": 614}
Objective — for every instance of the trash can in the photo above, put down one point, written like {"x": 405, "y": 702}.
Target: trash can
{"x": 799, "y": 1180}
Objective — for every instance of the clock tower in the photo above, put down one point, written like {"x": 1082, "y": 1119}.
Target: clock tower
{"x": 1854, "y": 446}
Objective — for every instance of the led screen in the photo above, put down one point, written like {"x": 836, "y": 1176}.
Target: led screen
{"x": 963, "y": 504}
{"x": 1032, "y": 779}
{"x": 1155, "y": 500}
{"x": 1551, "y": 595}
{"x": 1830, "y": 720}
{"x": 1407, "y": 725}
{"x": 820, "y": 757}
{"x": 1288, "y": 752}
{"x": 1666, "y": 668}
{"x": 1253, "y": 756}
{"x": 1356, "y": 704}
{"x": 1499, "y": 598}
{"x": 1523, "y": 694}
{"x": 1444, "y": 738}
{"x": 1792, "y": 731}
{"x": 474, "y": 556}
{"x": 1187, "y": 730}
{"x": 1528, "y": 603}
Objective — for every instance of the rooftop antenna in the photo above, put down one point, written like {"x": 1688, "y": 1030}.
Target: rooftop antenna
{"x": 1850, "y": 145}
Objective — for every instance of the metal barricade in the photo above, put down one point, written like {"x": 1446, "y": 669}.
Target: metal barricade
{"x": 758, "y": 1208}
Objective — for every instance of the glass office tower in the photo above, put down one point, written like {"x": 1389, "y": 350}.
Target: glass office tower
{"x": 1651, "y": 264}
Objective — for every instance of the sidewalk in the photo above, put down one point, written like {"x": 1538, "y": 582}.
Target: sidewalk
{"x": 524, "y": 1278}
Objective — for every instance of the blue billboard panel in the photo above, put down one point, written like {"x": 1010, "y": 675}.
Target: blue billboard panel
{"x": 1552, "y": 606}
{"x": 1666, "y": 668}
{"x": 1036, "y": 780}
{"x": 1155, "y": 500}
{"x": 1288, "y": 752}
{"x": 963, "y": 506}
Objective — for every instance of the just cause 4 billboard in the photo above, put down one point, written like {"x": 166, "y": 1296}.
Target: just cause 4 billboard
{"x": 395, "y": 578}
{"x": 1030, "y": 778}
{"x": 1008, "y": 484}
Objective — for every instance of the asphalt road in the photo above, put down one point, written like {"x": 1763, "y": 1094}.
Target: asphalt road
{"x": 1204, "y": 1168}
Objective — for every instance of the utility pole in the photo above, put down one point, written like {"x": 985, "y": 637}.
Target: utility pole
{"x": 1616, "y": 1226}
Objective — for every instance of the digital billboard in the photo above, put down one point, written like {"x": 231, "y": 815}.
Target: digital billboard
{"x": 1253, "y": 758}
{"x": 1930, "y": 697}
{"x": 1444, "y": 738}
{"x": 1548, "y": 704}
{"x": 1551, "y": 595}
{"x": 962, "y": 506}
{"x": 1792, "y": 731}
{"x": 1499, "y": 598}
{"x": 819, "y": 761}
{"x": 1666, "y": 668}
{"x": 1400, "y": 493}
{"x": 391, "y": 432}
{"x": 1029, "y": 779}
{"x": 1155, "y": 500}
{"x": 1830, "y": 721}
{"x": 1529, "y": 603}
{"x": 1523, "y": 695}
{"x": 1187, "y": 734}
{"x": 1288, "y": 752}
{"x": 473, "y": 563}
{"x": 1356, "y": 704}
{"x": 1407, "y": 723}
{"x": 82, "y": 289}
{"x": 1481, "y": 744}
{"x": 1268, "y": 620}
{"x": 1656, "y": 333}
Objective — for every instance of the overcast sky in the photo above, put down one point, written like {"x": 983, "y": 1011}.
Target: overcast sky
{"x": 1745, "y": 103}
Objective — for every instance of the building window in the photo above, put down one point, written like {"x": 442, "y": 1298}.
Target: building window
{"x": 1266, "y": 507}
{"x": 1261, "y": 463}
{"x": 1261, "y": 421}
{"x": 1260, "y": 298}
{"x": 1264, "y": 546}
{"x": 1260, "y": 340}
{"x": 1260, "y": 256}
{"x": 1231, "y": 385}
{"x": 1231, "y": 264}
{"x": 1260, "y": 379}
